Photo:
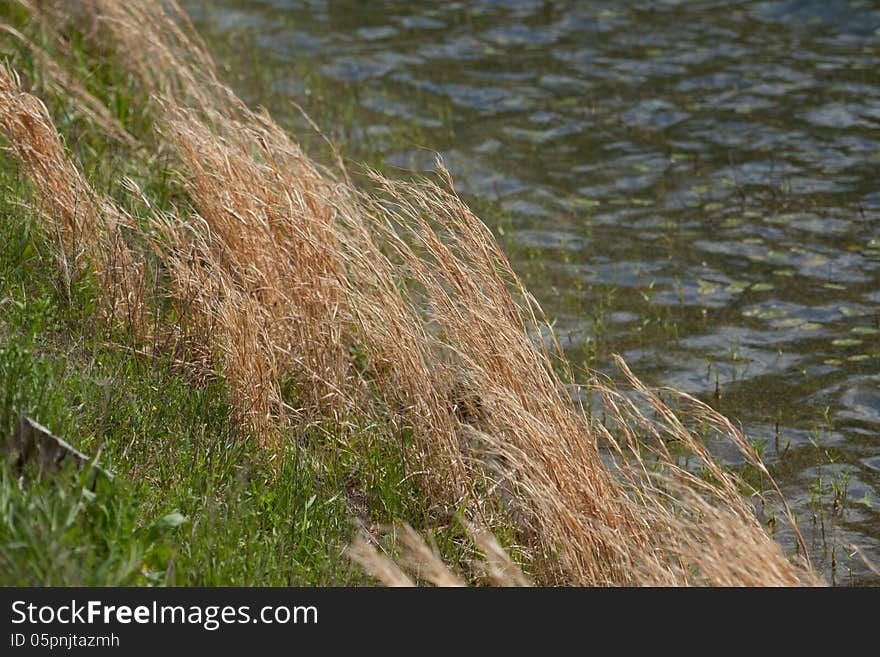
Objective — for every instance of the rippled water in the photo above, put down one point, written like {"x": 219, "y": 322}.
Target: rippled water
{"x": 691, "y": 184}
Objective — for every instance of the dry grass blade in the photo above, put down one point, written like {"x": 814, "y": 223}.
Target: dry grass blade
{"x": 499, "y": 568}
{"x": 873, "y": 567}
{"x": 362, "y": 552}
{"x": 89, "y": 226}
{"x": 417, "y": 556}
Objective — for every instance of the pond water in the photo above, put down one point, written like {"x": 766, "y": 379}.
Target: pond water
{"x": 691, "y": 184}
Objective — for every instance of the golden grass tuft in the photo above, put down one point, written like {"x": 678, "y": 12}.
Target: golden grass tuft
{"x": 88, "y": 226}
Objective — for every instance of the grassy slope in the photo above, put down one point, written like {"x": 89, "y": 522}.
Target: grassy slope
{"x": 189, "y": 505}
{"x": 197, "y": 500}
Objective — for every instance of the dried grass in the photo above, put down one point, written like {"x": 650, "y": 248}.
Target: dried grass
{"x": 89, "y": 227}
{"x": 425, "y": 563}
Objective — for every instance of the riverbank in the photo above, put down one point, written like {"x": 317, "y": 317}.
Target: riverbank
{"x": 274, "y": 360}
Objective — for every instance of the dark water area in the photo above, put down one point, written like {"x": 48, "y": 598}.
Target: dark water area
{"x": 691, "y": 184}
